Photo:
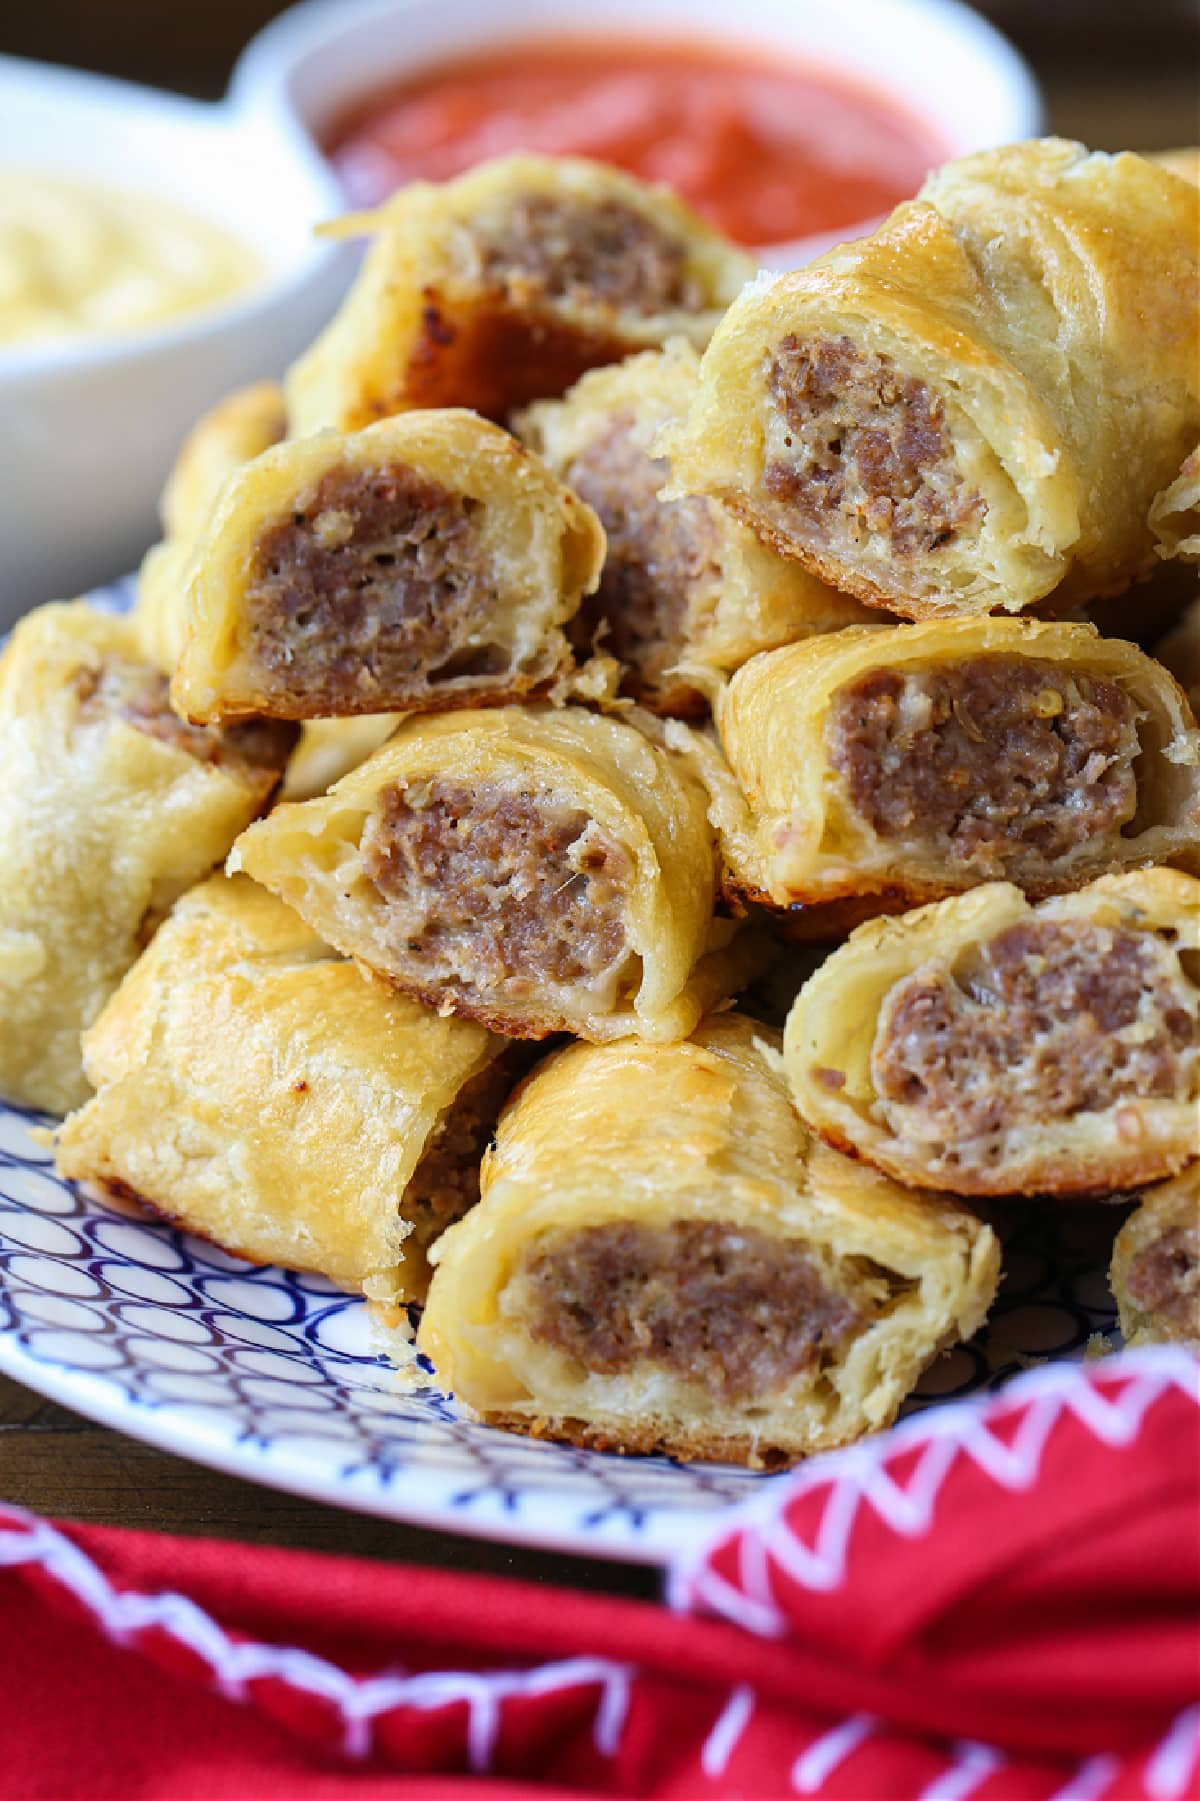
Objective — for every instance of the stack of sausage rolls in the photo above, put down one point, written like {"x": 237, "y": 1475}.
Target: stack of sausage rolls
{"x": 583, "y": 624}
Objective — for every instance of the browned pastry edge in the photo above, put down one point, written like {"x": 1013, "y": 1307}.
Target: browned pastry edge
{"x": 439, "y": 1001}
{"x": 647, "y": 1439}
{"x": 1092, "y": 1182}
{"x": 834, "y": 574}
{"x": 120, "y": 1190}
{"x": 522, "y": 688}
{"x": 460, "y": 350}
{"x": 825, "y": 921}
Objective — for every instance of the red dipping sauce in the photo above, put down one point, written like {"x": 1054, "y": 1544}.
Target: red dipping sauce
{"x": 769, "y": 152}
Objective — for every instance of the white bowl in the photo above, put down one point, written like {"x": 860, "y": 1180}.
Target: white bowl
{"x": 938, "y": 59}
{"x": 89, "y": 429}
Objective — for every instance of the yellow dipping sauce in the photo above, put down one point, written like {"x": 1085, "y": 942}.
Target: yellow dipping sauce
{"x": 82, "y": 261}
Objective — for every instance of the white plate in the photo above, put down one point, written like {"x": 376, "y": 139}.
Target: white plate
{"x": 272, "y": 1375}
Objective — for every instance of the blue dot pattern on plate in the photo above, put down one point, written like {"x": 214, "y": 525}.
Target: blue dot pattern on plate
{"x": 274, "y": 1375}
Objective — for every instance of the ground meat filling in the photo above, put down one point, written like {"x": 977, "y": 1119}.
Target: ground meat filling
{"x": 1045, "y": 1022}
{"x": 661, "y": 555}
{"x": 728, "y": 1308}
{"x": 139, "y": 695}
{"x": 868, "y": 464}
{"x": 496, "y": 892}
{"x": 1164, "y": 1281}
{"x": 606, "y": 254}
{"x": 996, "y": 764}
{"x": 445, "y": 1182}
{"x": 370, "y": 588}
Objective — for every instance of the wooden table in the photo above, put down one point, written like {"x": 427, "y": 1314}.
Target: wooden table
{"x": 1098, "y": 87}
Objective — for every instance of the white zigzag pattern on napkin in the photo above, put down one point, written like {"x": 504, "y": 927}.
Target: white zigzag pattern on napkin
{"x": 359, "y": 1700}
{"x": 860, "y": 1477}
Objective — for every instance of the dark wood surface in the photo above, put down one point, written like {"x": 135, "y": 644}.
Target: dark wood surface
{"x": 1113, "y": 75}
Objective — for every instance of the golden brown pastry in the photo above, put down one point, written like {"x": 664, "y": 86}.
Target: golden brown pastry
{"x": 540, "y": 870}
{"x": 258, "y": 1089}
{"x": 977, "y": 404}
{"x": 989, "y": 1047}
{"x": 683, "y": 582}
{"x": 109, "y": 808}
{"x": 238, "y": 428}
{"x": 1179, "y": 652}
{"x": 909, "y": 762}
{"x": 1155, "y": 1271}
{"x": 504, "y": 285}
{"x": 428, "y": 561}
{"x": 330, "y": 748}
{"x": 1175, "y": 514}
{"x": 664, "y": 1260}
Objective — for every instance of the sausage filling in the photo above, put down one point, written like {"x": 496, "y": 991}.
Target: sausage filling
{"x": 374, "y": 588}
{"x": 861, "y": 459}
{"x": 445, "y": 1182}
{"x": 661, "y": 558}
{"x": 726, "y": 1307}
{"x": 1047, "y": 1021}
{"x": 548, "y": 249}
{"x": 138, "y": 694}
{"x": 498, "y": 895}
{"x": 999, "y": 765}
{"x": 1164, "y": 1281}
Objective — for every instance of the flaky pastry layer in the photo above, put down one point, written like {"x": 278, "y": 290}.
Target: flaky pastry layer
{"x": 537, "y": 869}
{"x": 977, "y": 404}
{"x": 425, "y": 562}
{"x": 109, "y": 808}
{"x": 985, "y": 1046}
{"x": 662, "y": 1259}
{"x": 504, "y": 285}
{"x": 257, "y": 1089}
{"x": 906, "y": 763}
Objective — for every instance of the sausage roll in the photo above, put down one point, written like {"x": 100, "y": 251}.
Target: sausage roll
{"x": 1175, "y": 514}
{"x": 258, "y": 1089}
{"x": 990, "y": 1047}
{"x": 428, "y": 561}
{"x": 109, "y": 808}
{"x": 240, "y": 427}
{"x": 909, "y": 762}
{"x": 1179, "y": 652}
{"x": 540, "y": 870}
{"x": 977, "y": 404}
{"x": 504, "y": 285}
{"x": 683, "y": 582}
{"x": 1155, "y": 1271}
{"x": 663, "y": 1260}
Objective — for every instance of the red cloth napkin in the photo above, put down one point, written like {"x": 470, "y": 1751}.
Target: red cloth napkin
{"x": 998, "y": 1599}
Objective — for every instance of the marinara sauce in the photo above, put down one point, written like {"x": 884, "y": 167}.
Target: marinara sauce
{"x": 769, "y": 152}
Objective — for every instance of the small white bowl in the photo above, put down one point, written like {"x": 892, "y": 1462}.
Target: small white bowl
{"x": 88, "y": 430}
{"x": 939, "y": 60}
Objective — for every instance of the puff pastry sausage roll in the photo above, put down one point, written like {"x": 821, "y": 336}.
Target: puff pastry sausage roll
{"x": 238, "y": 428}
{"x": 540, "y": 870}
{"x": 909, "y": 762}
{"x": 109, "y": 808}
{"x": 1155, "y": 1271}
{"x": 978, "y": 403}
{"x": 663, "y": 1260}
{"x": 256, "y": 1088}
{"x": 990, "y": 1047}
{"x": 504, "y": 285}
{"x": 428, "y": 561}
{"x": 683, "y": 581}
